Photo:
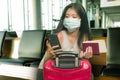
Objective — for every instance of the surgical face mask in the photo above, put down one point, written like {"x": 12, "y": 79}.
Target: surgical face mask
{"x": 71, "y": 24}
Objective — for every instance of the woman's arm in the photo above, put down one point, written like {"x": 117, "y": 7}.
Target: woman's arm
{"x": 50, "y": 51}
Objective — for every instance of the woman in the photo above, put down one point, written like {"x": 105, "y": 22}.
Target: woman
{"x": 72, "y": 30}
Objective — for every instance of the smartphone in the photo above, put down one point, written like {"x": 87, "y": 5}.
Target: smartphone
{"x": 53, "y": 39}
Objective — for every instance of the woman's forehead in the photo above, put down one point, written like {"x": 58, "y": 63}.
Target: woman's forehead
{"x": 71, "y": 11}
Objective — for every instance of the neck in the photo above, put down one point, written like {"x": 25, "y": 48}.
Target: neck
{"x": 73, "y": 34}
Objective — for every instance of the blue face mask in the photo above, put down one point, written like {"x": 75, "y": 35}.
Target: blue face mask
{"x": 71, "y": 24}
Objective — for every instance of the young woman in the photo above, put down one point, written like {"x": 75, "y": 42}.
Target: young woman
{"x": 72, "y": 30}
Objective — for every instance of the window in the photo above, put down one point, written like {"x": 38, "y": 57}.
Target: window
{"x": 117, "y": 24}
{"x": 51, "y": 11}
{"x": 16, "y": 15}
{"x": 3, "y": 15}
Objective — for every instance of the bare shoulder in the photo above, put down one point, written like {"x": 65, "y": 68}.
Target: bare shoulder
{"x": 59, "y": 34}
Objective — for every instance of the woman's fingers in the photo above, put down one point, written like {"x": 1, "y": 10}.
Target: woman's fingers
{"x": 53, "y": 50}
{"x": 81, "y": 54}
{"x": 88, "y": 52}
{"x": 91, "y": 52}
{"x": 54, "y": 47}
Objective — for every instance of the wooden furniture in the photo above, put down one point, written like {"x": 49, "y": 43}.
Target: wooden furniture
{"x": 99, "y": 59}
{"x": 106, "y": 78}
{"x": 10, "y": 47}
{"x": 98, "y": 63}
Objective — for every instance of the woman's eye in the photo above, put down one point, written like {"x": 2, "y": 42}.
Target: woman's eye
{"x": 67, "y": 16}
{"x": 75, "y": 17}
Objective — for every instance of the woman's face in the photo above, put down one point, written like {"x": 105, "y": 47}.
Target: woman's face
{"x": 71, "y": 13}
{"x": 72, "y": 20}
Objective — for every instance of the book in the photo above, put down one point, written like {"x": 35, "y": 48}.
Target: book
{"x": 98, "y": 46}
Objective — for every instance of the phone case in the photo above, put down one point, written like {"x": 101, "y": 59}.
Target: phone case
{"x": 53, "y": 39}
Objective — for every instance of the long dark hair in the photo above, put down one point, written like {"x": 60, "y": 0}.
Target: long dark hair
{"x": 84, "y": 28}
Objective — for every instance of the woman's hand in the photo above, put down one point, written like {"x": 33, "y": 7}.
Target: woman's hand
{"x": 88, "y": 53}
{"x": 51, "y": 49}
